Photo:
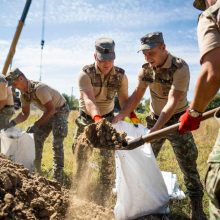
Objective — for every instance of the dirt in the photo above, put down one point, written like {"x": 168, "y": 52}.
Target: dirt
{"x": 102, "y": 135}
{"x": 27, "y": 196}
{"x": 85, "y": 210}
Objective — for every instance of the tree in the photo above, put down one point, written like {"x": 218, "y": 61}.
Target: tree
{"x": 71, "y": 101}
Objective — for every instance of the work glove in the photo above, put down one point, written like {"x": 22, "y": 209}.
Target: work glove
{"x": 134, "y": 119}
{"x": 32, "y": 128}
{"x": 11, "y": 124}
{"x": 188, "y": 123}
{"x": 97, "y": 118}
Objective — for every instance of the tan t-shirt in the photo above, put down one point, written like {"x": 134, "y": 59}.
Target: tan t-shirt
{"x": 208, "y": 31}
{"x": 41, "y": 95}
{"x": 103, "y": 97}
{"x": 5, "y": 92}
{"x": 161, "y": 81}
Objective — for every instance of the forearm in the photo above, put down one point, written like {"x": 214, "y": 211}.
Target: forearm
{"x": 92, "y": 108}
{"x": 45, "y": 117}
{"x": 131, "y": 104}
{"x": 21, "y": 118}
{"x": 165, "y": 115}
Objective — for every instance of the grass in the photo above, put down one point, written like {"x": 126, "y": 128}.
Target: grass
{"x": 205, "y": 137}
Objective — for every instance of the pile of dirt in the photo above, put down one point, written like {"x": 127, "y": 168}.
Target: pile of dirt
{"x": 27, "y": 196}
{"x": 102, "y": 135}
{"x": 85, "y": 210}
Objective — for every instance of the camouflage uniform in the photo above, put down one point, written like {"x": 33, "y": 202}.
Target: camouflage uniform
{"x": 209, "y": 38}
{"x": 183, "y": 145}
{"x": 106, "y": 158}
{"x": 57, "y": 124}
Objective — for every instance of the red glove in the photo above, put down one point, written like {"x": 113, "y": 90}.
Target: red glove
{"x": 134, "y": 119}
{"x": 97, "y": 118}
{"x": 188, "y": 123}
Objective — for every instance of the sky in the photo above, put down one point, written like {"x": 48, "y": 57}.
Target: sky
{"x": 72, "y": 26}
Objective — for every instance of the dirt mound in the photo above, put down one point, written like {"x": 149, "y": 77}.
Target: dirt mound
{"x": 26, "y": 196}
{"x": 102, "y": 135}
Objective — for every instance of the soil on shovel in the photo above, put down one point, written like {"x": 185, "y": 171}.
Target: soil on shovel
{"x": 102, "y": 135}
{"x": 27, "y": 196}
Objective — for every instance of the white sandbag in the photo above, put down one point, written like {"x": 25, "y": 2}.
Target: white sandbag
{"x": 18, "y": 146}
{"x": 173, "y": 187}
{"x": 140, "y": 185}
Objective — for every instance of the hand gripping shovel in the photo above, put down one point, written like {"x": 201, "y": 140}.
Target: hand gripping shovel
{"x": 137, "y": 142}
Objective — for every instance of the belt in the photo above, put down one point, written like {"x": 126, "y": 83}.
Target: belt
{"x": 84, "y": 115}
{"x": 9, "y": 106}
{"x": 176, "y": 116}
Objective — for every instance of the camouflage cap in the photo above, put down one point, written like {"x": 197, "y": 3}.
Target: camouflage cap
{"x": 151, "y": 40}
{"x": 105, "y": 48}
{"x": 12, "y": 75}
{"x": 200, "y": 4}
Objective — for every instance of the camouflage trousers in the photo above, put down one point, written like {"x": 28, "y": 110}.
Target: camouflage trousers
{"x": 212, "y": 181}
{"x": 105, "y": 161}
{"x": 186, "y": 154}
{"x": 58, "y": 125}
{"x": 5, "y": 115}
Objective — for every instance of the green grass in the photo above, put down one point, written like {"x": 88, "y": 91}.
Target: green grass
{"x": 204, "y": 137}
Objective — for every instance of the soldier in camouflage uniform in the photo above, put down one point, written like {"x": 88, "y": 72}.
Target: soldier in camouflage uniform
{"x": 6, "y": 104}
{"x": 168, "y": 78}
{"x": 207, "y": 86}
{"x": 54, "y": 117}
{"x": 99, "y": 83}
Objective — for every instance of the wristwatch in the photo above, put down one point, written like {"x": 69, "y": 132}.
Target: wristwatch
{"x": 194, "y": 113}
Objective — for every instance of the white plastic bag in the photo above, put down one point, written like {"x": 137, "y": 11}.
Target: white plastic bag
{"x": 140, "y": 186}
{"x": 18, "y": 146}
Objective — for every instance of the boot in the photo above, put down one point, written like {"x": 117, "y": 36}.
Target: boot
{"x": 197, "y": 209}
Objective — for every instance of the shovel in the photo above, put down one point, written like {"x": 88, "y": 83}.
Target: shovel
{"x": 137, "y": 142}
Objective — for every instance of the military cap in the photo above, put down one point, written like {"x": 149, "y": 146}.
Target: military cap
{"x": 105, "y": 48}
{"x": 151, "y": 40}
{"x": 12, "y": 75}
{"x": 200, "y": 4}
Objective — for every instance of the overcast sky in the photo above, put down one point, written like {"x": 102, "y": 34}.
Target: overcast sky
{"x": 72, "y": 26}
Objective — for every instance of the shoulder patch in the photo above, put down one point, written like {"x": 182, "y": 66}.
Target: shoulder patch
{"x": 89, "y": 68}
{"x": 119, "y": 70}
{"x": 178, "y": 62}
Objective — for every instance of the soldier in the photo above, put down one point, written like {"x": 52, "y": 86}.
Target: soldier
{"x": 168, "y": 78}
{"x": 6, "y": 104}
{"x": 207, "y": 86}
{"x": 54, "y": 117}
{"x": 99, "y": 83}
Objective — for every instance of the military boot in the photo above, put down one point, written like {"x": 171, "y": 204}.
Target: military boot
{"x": 197, "y": 209}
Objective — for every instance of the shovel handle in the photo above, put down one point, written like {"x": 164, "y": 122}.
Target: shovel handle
{"x": 157, "y": 134}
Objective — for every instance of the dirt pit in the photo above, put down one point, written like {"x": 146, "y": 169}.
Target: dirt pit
{"x": 102, "y": 135}
{"x": 27, "y": 196}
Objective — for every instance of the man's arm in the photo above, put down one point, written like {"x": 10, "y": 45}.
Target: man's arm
{"x": 23, "y": 115}
{"x": 48, "y": 113}
{"x": 208, "y": 82}
{"x": 169, "y": 109}
{"x": 131, "y": 104}
{"x": 90, "y": 103}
